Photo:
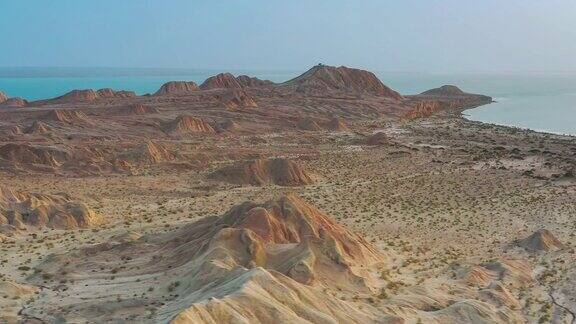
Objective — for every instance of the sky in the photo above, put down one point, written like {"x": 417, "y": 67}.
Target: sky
{"x": 384, "y": 35}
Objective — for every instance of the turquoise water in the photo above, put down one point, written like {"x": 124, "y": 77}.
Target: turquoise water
{"x": 537, "y": 101}
{"x": 545, "y": 102}
{"x": 43, "y": 83}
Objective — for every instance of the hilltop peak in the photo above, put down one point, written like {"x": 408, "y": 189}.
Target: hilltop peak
{"x": 221, "y": 81}
{"x": 322, "y": 78}
{"x": 445, "y": 90}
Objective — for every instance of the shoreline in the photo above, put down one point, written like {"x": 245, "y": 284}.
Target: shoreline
{"x": 461, "y": 114}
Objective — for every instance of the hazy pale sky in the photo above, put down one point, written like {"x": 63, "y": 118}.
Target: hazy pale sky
{"x": 401, "y": 35}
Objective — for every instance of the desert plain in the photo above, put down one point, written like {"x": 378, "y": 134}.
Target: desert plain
{"x": 329, "y": 198}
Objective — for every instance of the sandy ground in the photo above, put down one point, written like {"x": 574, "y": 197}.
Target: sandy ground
{"x": 445, "y": 191}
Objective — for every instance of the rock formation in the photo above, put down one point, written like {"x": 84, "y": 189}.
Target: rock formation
{"x": 246, "y": 81}
{"x": 110, "y": 93}
{"x": 541, "y": 240}
{"x": 89, "y": 95}
{"x": 140, "y": 109}
{"x": 24, "y": 154}
{"x": 282, "y": 172}
{"x": 78, "y": 95}
{"x": 67, "y": 116}
{"x": 513, "y": 273}
{"x": 37, "y": 127}
{"x": 280, "y": 261}
{"x": 426, "y": 108}
{"x": 228, "y": 125}
{"x": 237, "y": 99}
{"x": 11, "y": 102}
{"x": 177, "y": 88}
{"x": 20, "y": 210}
{"x": 148, "y": 153}
{"x": 221, "y": 81}
{"x": 14, "y": 130}
{"x": 186, "y": 124}
{"x": 237, "y": 267}
{"x": 14, "y": 102}
{"x": 322, "y": 78}
{"x": 444, "y": 91}
{"x": 445, "y": 98}
{"x": 334, "y": 124}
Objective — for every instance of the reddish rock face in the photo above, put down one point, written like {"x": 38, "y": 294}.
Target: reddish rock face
{"x": 79, "y": 95}
{"x": 279, "y": 171}
{"x": 37, "y": 127}
{"x": 446, "y": 97}
{"x": 89, "y": 95}
{"x": 14, "y": 102}
{"x": 148, "y": 153}
{"x": 110, "y": 93}
{"x": 28, "y": 154}
{"x": 66, "y": 116}
{"x": 323, "y": 78}
{"x": 140, "y": 109}
{"x": 426, "y": 108}
{"x": 238, "y": 99}
{"x": 221, "y": 81}
{"x": 541, "y": 240}
{"x": 246, "y": 81}
{"x": 177, "y": 88}
{"x": 186, "y": 124}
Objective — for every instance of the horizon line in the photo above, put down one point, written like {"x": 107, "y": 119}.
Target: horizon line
{"x": 211, "y": 69}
